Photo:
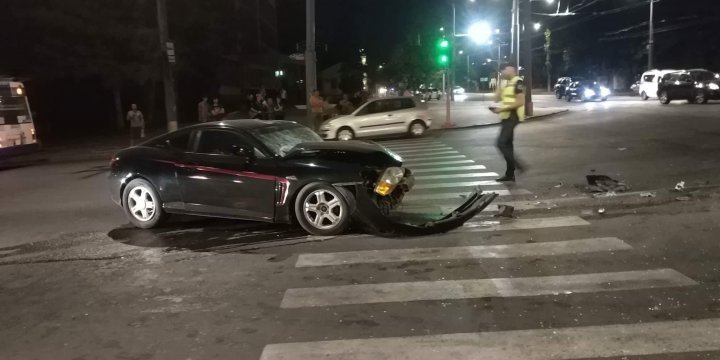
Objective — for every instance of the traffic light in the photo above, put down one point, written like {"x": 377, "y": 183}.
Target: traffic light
{"x": 444, "y": 53}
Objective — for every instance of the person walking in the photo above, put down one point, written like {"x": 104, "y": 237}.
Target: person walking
{"x": 203, "y": 110}
{"x": 512, "y": 112}
{"x": 137, "y": 124}
{"x": 217, "y": 111}
{"x": 316, "y": 107}
{"x": 346, "y": 106}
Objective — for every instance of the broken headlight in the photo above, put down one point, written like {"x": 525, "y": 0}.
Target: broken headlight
{"x": 389, "y": 180}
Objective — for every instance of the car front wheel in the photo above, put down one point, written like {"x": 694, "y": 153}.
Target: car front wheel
{"x": 568, "y": 98}
{"x": 142, "y": 204}
{"x": 664, "y": 98}
{"x": 644, "y": 96}
{"x": 324, "y": 210}
{"x": 345, "y": 134}
{"x": 558, "y": 95}
{"x": 700, "y": 98}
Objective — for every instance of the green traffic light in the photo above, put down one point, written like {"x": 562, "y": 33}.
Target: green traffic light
{"x": 443, "y": 59}
{"x": 444, "y": 43}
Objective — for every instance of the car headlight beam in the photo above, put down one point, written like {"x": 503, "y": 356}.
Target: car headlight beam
{"x": 389, "y": 180}
{"x": 713, "y": 86}
{"x": 589, "y": 93}
{"x": 604, "y": 91}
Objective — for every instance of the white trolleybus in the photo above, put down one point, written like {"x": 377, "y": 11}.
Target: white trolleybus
{"x": 17, "y": 131}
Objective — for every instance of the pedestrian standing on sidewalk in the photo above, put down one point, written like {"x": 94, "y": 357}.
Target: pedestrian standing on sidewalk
{"x": 217, "y": 111}
{"x": 203, "y": 110}
{"x": 512, "y": 112}
{"x": 137, "y": 124}
{"x": 317, "y": 108}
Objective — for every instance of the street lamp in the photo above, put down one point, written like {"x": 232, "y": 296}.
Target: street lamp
{"x": 480, "y": 32}
{"x": 537, "y": 26}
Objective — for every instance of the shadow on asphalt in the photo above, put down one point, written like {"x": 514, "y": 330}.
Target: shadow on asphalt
{"x": 208, "y": 235}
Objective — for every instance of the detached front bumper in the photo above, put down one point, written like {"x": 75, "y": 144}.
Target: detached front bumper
{"x": 375, "y": 221}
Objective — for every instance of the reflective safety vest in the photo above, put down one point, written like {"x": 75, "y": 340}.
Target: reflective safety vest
{"x": 508, "y": 99}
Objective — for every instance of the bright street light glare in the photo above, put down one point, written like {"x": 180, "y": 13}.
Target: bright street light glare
{"x": 550, "y": 1}
{"x": 537, "y": 26}
{"x": 480, "y": 32}
{"x": 460, "y": 52}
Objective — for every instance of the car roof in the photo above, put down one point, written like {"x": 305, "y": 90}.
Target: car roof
{"x": 242, "y": 124}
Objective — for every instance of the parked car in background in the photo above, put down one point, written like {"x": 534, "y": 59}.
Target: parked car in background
{"x": 431, "y": 94}
{"x": 380, "y": 117}
{"x": 696, "y": 86}
{"x": 562, "y": 85}
{"x": 458, "y": 90}
{"x": 585, "y": 90}
{"x": 649, "y": 81}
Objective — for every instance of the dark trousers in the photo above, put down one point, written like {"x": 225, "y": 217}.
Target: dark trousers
{"x": 135, "y": 135}
{"x": 505, "y": 143}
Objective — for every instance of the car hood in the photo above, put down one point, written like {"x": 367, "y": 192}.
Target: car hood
{"x": 358, "y": 152}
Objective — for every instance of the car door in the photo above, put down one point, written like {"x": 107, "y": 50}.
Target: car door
{"x": 370, "y": 120}
{"x": 219, "y": 179}
{"x": 400, "y": 113}
{"x": 686, "y": 87}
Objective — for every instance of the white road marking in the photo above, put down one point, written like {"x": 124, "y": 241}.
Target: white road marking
{"x": 411, "y": 147}
{"x": 448, "y": 168}
{"x": 454, "y": 176}
{"x": 463, "y": 252}
{"x": 434, "y": 155}
{"x": 582, "y": 342}
{"x": 457, "y": 195}
{"x": 524, "y": 224}
{"x": 422, "y": 151}
{"x": 407, "y": 142}
{"x": 457, "y": 184}
{"x": 413, "y": 164}
{"x": 482, "y": 288}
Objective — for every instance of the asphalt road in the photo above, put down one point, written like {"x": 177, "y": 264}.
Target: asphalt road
{"x": 558, "y": 281}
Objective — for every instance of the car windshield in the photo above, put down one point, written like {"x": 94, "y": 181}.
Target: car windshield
{"x": 280, "y": 139}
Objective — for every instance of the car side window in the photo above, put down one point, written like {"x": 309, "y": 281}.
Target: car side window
{"x": 648, "y": 78}
{"x": 407, "y": 103}
{"x": 179, "y": 141}
{"x": 685, "y": 78}
{"x": 376, "y": 107}
{"x": 218, "y": 142}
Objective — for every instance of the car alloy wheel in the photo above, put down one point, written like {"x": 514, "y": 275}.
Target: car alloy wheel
{"x": 142, "y": 204}
{"x": 664, "y": 99}
{"x": 345, "y": 134}
{"x": 700, "y": 98}
{"x": 558, "y": 95}
{"x": 417, "y": 128}
{"x": 644, "y": 96}
{"x": 323, "y": 209}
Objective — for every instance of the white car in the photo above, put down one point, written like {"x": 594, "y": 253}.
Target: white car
{"x": 458, "y": 90}
{"x": 381, "y": 117}
{"x": 649, "y": 81}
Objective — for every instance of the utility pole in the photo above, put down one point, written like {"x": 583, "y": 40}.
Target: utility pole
{"x": 515, "y": 33}
{"x": 651, "y": 36}
{"x": 310, "y": 56}
{"x": 526, "y": 50}
{"x": 168, "y": 56}
{"x": 548, "y": 40}
{"x": 452, "y": 59}
{"x": 468, "y": 72}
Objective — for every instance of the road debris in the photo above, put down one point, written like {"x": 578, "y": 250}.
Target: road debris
{"x": 648, "y": 194}
{"x": 603, "y": 183}
{"x": 601, "y": 211}
{"x": 559, "y": 185}
{"x": 680, "y": 186}
{"x": 564, "y": 195}
{"x": 586, "y": 212}
{"x": 622, "y": 149}
{"x": 682, "y": 198}
{"x": 505, "y": 211}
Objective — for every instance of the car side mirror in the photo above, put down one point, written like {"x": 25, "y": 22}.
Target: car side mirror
{"x": 244, "y": 151}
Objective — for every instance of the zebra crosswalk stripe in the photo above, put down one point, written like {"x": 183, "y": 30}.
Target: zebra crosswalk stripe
{"x": 463, "y": 252}
{"x": 422, "y": 151}
{"x": 447, "y": 169}
{"x": 524, "y": 224}
{"x": 417, "y": 164}
{"x": 582, "y": 342}
{"x": 455, "y": 176}
{"x": 482, "y": 288}
{"x": 457, "y": 184}
{"x": 459, "y": 195}
{"x": 436, "y": 154}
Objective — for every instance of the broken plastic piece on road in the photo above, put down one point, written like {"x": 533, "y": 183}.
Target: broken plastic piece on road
{"x": 622, "y": 149}
{"x": 601, "y": 211}
{"x": 505, "y": 211}
{"x": 559, "y": 185}
{"x": 607, "y": 194}
{"x": 682, "y": 198}
{"x": 648, "y": 194}
{"x": 564, "y": 195}
{"x": 680, "y": 186}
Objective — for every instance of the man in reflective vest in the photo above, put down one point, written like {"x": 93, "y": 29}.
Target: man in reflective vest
{"x": 512, "y": 111}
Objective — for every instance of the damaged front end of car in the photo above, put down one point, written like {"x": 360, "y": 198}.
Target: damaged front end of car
{"x": 375, "y": 199}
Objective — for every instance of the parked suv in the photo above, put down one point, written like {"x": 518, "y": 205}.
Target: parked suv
{"x": 563, "y": 84}
{"x": 695, "y": 85}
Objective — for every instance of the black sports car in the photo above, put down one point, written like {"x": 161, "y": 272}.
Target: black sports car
{"x": 271, "y": 171}
{"x": 586, "y": 90}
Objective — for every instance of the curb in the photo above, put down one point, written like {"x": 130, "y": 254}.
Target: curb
{"x": 529, "y": 119}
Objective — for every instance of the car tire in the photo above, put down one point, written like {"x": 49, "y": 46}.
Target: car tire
{"x": 558, "y": 95}
{"x": 142, "y": 204}
{"x": 604, "y": 99}
{"x": 568, "y": 98}
{"x": 417, "y": 128}
{"x": 324, "y": 210}
{"x": 700, "y": 98}
{"x": 345, "y": 133}
{"x": 644, "y": 96}
{"x": 664, "y": 98}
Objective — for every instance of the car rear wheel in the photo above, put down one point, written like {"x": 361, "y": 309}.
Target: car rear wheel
{"x": 323, "y": 209}
{"x": 664, "y": 98}
{"x": 644, "y": 96}
{"x": 345, "y": 134}
{"x": 417, "y": 128}
{"x": 700, "y": 98}
{"x": 558, "y": 95}
{"x": 568, "y": 98}
{"x": 142, "y": 204}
